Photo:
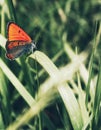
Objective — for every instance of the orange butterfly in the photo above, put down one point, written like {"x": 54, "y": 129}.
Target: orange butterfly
{"x": 18, "y": 42}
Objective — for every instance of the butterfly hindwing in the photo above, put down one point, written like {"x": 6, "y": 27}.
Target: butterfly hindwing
{"x": 17, "y": 51}
{"x": 12, "y": 44}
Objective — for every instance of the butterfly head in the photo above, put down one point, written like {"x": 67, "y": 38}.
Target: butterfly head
{"x": 33, "y": 47}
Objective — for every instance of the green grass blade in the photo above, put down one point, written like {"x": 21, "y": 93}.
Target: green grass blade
{"x": 91, "y": 68}
{"x": 64, "y": 90}
{"x": 97, "y": 100}
{"x": 20, "y": 88}
{"x": 4, "y": 100}
{"x": 11, "y": 10}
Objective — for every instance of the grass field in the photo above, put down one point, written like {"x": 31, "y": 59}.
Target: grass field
{"x": 58, "y": 86}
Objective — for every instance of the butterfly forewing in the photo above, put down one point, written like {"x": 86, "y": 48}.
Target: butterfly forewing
{"x": 16, "y": 33}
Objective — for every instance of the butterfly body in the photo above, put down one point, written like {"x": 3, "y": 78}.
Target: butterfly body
{"x": 18, "y": 42}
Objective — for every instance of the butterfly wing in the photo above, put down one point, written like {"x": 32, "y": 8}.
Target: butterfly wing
{"x": 18, "y": 50}
{"x": 16, "y": 33}
{"x": 18, "y": 41}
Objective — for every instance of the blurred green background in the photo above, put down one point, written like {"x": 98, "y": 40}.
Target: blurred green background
{"x": 49, "y": 23}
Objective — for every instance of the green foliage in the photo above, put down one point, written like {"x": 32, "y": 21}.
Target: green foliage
{"x": 36, "y": 94}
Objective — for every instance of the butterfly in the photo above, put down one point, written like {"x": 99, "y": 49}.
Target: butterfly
{"x": 18, "y": 42}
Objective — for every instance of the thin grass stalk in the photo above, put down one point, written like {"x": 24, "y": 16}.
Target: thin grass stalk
{"x": 11, "y": 9}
